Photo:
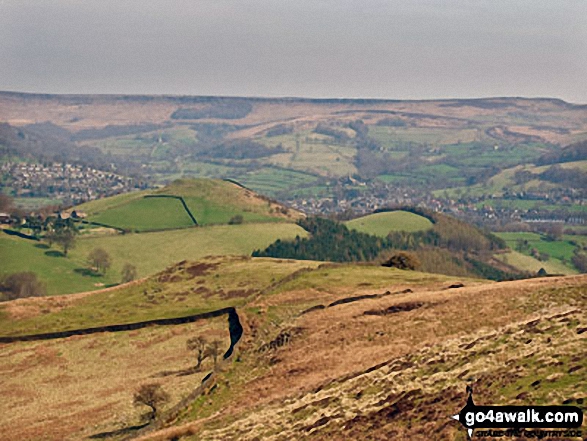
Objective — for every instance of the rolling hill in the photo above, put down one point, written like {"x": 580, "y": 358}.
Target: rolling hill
{"x": 328, "y": 351}
{"x": 185, "y": 203}
{"x": 381, "y": 224}
{"x": 153, "y": 229}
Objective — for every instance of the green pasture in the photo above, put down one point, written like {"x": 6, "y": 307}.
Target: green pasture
{"x": 148, "y": 252}
{"x": 381, "y": 224}
{"x": 146, "y": 214}
{"x": 152, "y": 252}
{"x": 528, "y": 263}
{"x": 61, "y": 275}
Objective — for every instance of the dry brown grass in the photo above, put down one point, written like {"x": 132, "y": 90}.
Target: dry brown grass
{"x": 21, "y": 309}
{"x": 341, "y": 342}
{"x": 72, "y": 388}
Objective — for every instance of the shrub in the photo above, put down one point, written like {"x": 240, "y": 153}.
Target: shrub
{"x": 402, "y": 260}
{"x": 236, "y": 220}
{"x": 21, "y": 285}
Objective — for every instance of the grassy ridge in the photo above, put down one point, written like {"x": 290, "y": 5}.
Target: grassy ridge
{"x": 381, "y": 224}
{"x": 194, "y": 287}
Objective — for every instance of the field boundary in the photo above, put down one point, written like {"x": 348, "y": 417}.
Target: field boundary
{"x": 122, "y": 327}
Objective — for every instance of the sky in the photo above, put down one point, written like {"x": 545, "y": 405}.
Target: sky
{"x": 408, "y": 49}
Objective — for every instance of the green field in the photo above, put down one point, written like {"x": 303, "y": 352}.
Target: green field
{"x": 149, "y": 252}
{"x": 560, "y": 251}
{"x": 271, "y": 181}
{"x": 61, "y": 275}
{"x": 211, "y": 201}
{"x": 152, "y": 252}
{"x": 529, "y": 263}
{"x": 146, "y": 214}
{"x": 396, "y": 138}
{"x": 312, "y": 153}
{"x": 381, "y": 224}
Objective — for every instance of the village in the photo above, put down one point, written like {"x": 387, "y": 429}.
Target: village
{"x": 488, "y": 211}
{"x": 71, "y": 184}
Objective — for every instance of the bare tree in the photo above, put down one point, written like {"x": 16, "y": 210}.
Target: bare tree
{"x": 151, "y": 395}
{"x": 198, "y": 344}
{"x": 129, "y": 273}
{"x": 99, "y": 259}
{"x": 214, "y": 350}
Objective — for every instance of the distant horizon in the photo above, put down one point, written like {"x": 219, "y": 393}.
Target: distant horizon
{"x": 386, "y": 49}
{"x": 306, "y": 98}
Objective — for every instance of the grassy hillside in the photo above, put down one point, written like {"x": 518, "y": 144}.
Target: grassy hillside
{"x": 381, "y": 224}
{"x": 60, "y": 275}
{"x": 380, "y": 349}
{"x": 146, "y": 214}
{"x": 148, "y": 252}
{"x": 211, "y": 201}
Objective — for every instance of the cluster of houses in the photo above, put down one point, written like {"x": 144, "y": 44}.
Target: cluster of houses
{"x": 345, "y": 198}
{"x": 70, "y": 183}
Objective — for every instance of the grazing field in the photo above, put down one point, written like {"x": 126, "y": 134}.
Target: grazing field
{"x": 60, "y": 275}
{"x": 146, "y": 214}
{"x": 558, "y": 249}
{"x": 381, "y": 224}
{"x": 152, "y": 252}
{"x": 211, "y": 201}
{"x": 148, "y": 252}
{"x": 528, "y": 263}
{"x": 313, "y": 153}
{"x": 81, "y": 387}
{"x": 272, "y": 181}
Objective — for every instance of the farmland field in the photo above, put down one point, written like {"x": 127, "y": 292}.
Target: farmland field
{"x": 152, "y": 252}
{"x": 381, "y": 224}
{"x": 61, "y": 275}
{"x": 559, "y": 251}
{"x": 146, "y": 214}
{"x": 148, "y": 252}
{"x": 529, "y": 263}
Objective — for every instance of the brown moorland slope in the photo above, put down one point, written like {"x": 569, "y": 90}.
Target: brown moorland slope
{"x": 328, "y": 352}
{"x": 396, "y": 367}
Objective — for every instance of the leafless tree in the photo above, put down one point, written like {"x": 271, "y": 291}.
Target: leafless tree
{"x": 198, "y": 344}
{"x": 151, "y": 395}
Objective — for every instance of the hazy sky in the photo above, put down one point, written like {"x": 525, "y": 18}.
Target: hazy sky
{"x": 316, "y": 48}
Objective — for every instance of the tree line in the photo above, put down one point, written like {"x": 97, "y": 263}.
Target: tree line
{"x": 330, "y": 240}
